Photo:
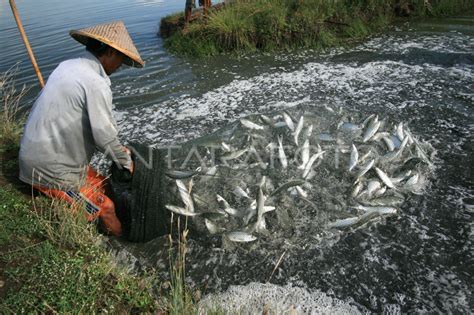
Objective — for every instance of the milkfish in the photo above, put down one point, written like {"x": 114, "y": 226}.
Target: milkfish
{"x": 251, "y": 125}
{"x": 354, "y": 158}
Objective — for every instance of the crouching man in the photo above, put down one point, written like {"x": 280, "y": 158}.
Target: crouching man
{"x": 72, "y": 117}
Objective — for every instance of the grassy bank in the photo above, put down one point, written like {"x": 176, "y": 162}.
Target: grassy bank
{"x": 52, "y": 260}
{"x": 267, "y": 25}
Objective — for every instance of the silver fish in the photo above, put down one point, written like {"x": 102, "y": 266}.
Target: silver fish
{"x": 380, "y": 191}
{"x": 301, "y": 192}
{"x": 225, "y": 147}
{"x": 298, "y": 129}
{"x": 181, "y": 211}
{"x": 260, "y": 224}
{"x": 251, "y": 125}
{"x": 349, "y": 127}
{"x": 386, "y": 180}
{"x": 289, "y": 121}
{"x": 267, "y": 120}
{"x": 238, "y": 191}
{"x": 386, "y": 201}
{"x": 326, "y": 137}
{"x": 287, "y": 185}
{"x": 280, "y": 124}
{"x": 309, "y": 131}
{"x": 176, "y": 174}
{"x": 212, "y": 227}
{"x": 412, "y": 180}
{"x": 364, "y": 123}
{"x": 240, "y": 236}
{"x": 185, "y": 196}
{"x": 227, "y": 207}
{"x": 371, "y": 130}
{"x": 304, "y": 154}
{"x": 234, "y": 154}
{"x": 354, "y": 158}
{"x": 343, "y": 223}
{"x": 310, "y": 163}
{"x": 281, "y": 153}
{"x": 399, "y": 131}
{"x": 389, "y": 143}
{"x": 357, "y": 188}
{"x": 364, "y": 169}
{"x": 372, "y": 186}
{"x": 379, "y": 135}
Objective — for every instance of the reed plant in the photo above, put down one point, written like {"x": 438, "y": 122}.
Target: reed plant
{"x": 10, "y": 119}
{"x": 266, "y": 25}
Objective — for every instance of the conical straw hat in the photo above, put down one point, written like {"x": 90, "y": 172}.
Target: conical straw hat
{"x": 115, "y": 35}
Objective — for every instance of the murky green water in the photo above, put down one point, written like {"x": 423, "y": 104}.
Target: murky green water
{"x": 420, "y": 73}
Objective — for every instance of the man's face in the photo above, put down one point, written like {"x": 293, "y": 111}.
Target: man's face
{"x": 112, "y": 60}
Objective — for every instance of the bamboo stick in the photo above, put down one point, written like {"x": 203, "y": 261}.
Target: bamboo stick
{"x": 27, "y": 43}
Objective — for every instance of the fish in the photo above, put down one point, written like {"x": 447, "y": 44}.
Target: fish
{"x": 349, "y": 127}
{"x": 343, "y": 223}
{"x": 364, "y": 123}
{"x": 281, "y": 153}
{"x": 326, "y": 137}
{"x": 399, "y": 132}
{"x": 176, "y": 174}
{"x": 226, "y": 147}
{"x": 298, "y": 129}
{"x": 364, "y": 169}
{"x": 260, "y": 224}
{"x": 280, "y": 124}
{"x": 365, "y": 156}
{"x": 394, "y": 154}
{"x": 354, "y": 158}
{"x": 227, "y": 207}
{"x": 371, "y": 130}
{"x": 372, "y": 186}
{"x": 379, "y": 135}
{"x": 301, "y": 192}
{"x": 234, "y": 154}
{"x": 239, "y": 192}
{"x": 412, "y": 180}
{"x": 181, "y": 211}
{"x": 309, "y": 131}
{"x": 310, "y": 163}
{"x": 355, "y": 191}
{"x": 289, "y": 121}
{"x": 212, "y": 227}
{"x": 251, "y": 125}
{"x": 386, "y": 201}
{"x": 240, "y": 236}
{"x": 380, "y": 210}
{"x": 304, "y": 154}
{"x": 380, "y": 191}
{"x": 389, "y": 143}
{"x": 386, "y": 180}
{"x": 185, "y": 196}
{"x": 267, "y": 120}
{"x": 287, "y": 185}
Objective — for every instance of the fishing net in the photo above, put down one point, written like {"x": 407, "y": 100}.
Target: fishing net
{"x": 287, "y": 177}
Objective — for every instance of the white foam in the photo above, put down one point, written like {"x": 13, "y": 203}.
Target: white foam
{"x": 256, "y": 298}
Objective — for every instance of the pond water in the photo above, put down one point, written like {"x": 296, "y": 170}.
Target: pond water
{"x": 421, "y": 74}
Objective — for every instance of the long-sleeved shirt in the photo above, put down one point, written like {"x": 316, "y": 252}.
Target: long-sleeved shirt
{"x": 71, "y": 118}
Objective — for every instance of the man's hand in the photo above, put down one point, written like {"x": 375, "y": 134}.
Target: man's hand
{"x": 130, "y": 167}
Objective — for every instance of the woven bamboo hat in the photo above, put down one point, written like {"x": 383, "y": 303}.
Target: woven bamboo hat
{"x": 115, "y": 35}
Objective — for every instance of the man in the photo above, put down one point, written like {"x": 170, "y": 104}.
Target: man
{"x": 72, "y": 117}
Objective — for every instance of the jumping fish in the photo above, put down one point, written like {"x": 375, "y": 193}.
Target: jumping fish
{"x": 289, "y": 121}
{"x": 227, "y": 207}
{"x": 298, "y": 129}
{"x": 185, "y": 196}
{"x": 364, "y": 169}
{"x": 281, "y": 153}
{"x": 357, "y": 188}
{"x": 412, "y": 180}
{"x": 238, "y": 191}
{"x": 212, "y": 227}
{"x": 310, "y": 163}
{"x": 309, "y": 132}
{"x": 386, "y": 180}
{"x": 389, "y": 143}
{"x": 399, "y": 132}
{"x": 267, "y": 120}
{"x": 251, "y": 125}
{"x": 260, "y": 224}
{"x": 240, "y": 236}
{"x": 371, "y": 129}
{"x": 175, "y": 174}
{"x": 354, "y": 158}
{"x": 304, "y": 154}
{"x": 287, "y": 185}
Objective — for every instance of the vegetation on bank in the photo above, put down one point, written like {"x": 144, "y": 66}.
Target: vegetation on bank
{"x": 53, "y": 261}
{"x": 266, "y": 25}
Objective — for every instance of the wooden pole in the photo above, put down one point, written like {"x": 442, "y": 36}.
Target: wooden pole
{"x": 27, "y": 43}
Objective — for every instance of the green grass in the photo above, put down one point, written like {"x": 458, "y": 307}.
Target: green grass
{"x": 268, "y": 25}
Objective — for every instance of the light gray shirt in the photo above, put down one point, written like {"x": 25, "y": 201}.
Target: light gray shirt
{"x": 71, "y": 118}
